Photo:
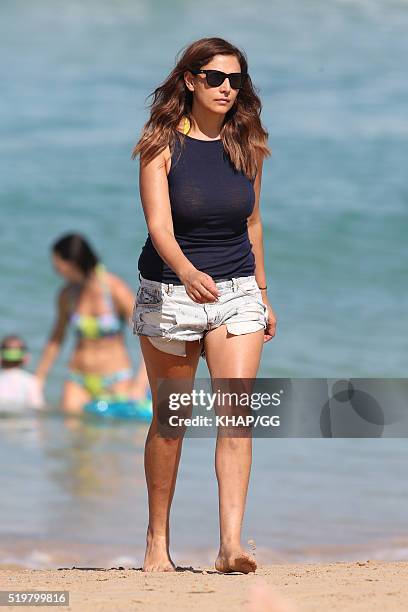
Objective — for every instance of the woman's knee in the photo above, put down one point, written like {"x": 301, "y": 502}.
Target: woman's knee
{"x": 73, "y": 398}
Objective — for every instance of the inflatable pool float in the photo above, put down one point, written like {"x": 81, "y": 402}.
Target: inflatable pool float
{"x": 121, "y": 407}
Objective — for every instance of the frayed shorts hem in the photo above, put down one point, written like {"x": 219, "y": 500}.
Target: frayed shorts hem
{"x": 176, "y": 346}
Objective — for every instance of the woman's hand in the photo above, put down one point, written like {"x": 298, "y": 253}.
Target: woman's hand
{"x": 200, "y": 287}
{"x": 270, "y": 330}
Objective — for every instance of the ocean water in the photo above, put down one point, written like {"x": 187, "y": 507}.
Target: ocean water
{"x": 75, "y": 80}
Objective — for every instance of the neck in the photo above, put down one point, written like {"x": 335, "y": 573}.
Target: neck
{"x": 92, "y": 277}
{"x": 205, "y": 123}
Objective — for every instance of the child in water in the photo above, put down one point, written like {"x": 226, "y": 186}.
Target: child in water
{"x": 19, "y": 389}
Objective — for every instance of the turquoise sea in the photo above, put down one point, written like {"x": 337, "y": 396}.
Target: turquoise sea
{"x": 332, "y": 78}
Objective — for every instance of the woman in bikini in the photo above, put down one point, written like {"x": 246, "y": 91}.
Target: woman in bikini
{"x": 202, "y": 277}
{"x": 98, "y": 305}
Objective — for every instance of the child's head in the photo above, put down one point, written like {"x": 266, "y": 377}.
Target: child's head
{"x": 13, "y": 351}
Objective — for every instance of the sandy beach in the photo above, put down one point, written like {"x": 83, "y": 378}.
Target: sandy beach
{"x": 325, "y": 507}
{"x": 363, "y": 585}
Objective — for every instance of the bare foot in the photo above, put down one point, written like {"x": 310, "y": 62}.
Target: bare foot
{"x": 157, "y": 558}
{"x": 235, "y": 560}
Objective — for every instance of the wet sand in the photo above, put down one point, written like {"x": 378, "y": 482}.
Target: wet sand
{"x": 308, "y": 587}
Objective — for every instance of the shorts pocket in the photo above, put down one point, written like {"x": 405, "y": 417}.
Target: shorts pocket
{"x": 149, "y": 296}
{"x": 249, "y": 316}
{"x": 250, "y": 288}
{"x": 152, "y": 319}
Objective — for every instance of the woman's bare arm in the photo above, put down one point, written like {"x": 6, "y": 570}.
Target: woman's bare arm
{"x": 255, "y": 232}
{"x": 56, "y": 337}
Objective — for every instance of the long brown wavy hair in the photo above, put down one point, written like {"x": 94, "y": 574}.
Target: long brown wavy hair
{"x": 242, "y": 132}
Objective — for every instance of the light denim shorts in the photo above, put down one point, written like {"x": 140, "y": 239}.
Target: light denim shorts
{"x": 169, "y": 317}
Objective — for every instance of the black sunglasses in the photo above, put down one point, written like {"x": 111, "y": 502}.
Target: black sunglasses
{"x": 214, "y": 78}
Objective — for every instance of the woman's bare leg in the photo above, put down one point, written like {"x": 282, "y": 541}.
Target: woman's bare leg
{"x": 74, "y": 396}
{"x": 140, "y": 384}
{"x": 162, "y": 455}
{"x": 231, "y": 356}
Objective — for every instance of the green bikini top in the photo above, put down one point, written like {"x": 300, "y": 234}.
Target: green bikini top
{"x": 98, "y": 326}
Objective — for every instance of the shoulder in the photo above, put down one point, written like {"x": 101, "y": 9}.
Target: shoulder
{"x": 113, "y": 280}
{"x": 4, "y": 374}
{"x": 27, "y": 377}
{"x": 160, "y": 161}
{"x": 16, "y": 374}
{"x": 119, "y": 289}
{"x": 66, "y": 299}
{"x": 8, "y": 378}
{"x": 65, "y": 295}
{"x": 164, "y": 158}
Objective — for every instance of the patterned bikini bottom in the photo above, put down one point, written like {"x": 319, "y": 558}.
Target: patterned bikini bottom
{"x": 96, "y": 384}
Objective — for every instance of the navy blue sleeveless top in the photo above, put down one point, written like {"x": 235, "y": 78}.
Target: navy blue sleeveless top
{"x": 210, "y": 203}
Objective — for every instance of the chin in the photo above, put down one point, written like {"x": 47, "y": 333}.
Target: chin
{"x": 220, "y": 110}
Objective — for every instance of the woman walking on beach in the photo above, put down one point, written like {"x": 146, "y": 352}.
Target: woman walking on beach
{"x": 98, "y": 305}
{"x": 202, "y": 278}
